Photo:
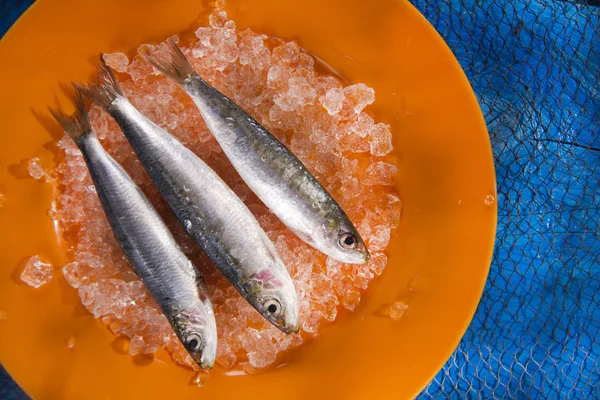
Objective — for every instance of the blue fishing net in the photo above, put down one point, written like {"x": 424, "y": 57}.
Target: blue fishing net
{"x": 535, "y": 68}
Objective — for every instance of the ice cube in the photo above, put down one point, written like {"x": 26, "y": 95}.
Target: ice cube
{"x": 380, "y": 238}
{"x": 360, "y": 96}
{"x": 117, "y": 61}
{"x": 379, "y": 173}
{"x": 397, "y": 310}
{"x": 36, "y": 272}
{"x": 377, "y": 263}
{"x": 72, "y": 274}
{"x": 35, "y": 169}
{"x": 381, "y": 140}
{"x": 333, "y": 101}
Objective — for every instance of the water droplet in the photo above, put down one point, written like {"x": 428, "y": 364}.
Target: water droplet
{"x": 459, "y": 201}
{"x": 489, "y": 199}
{"x": 419, "y": 284}
{"x": 70, "y": 342}
{"x": 200, "y": 378}
{"x": 235, "y": 373}
{"x": 2, "y": 199}
{"x": 3, "y": 315}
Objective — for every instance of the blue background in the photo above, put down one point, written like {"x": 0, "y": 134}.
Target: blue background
{"x": 534, "y": 66}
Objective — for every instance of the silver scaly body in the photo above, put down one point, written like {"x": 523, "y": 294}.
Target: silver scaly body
{"x": 154, "y": 255}
{"x": 276, "y": 176}
{"x": 213, "y": 215}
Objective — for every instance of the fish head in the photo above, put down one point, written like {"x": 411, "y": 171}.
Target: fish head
{"x": 196, "y": 328}
{"x": 339, "y": 239}
{"x": 273, "y": 295}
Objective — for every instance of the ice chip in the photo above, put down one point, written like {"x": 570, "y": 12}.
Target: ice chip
{"x": 363, "y": 125}
{"x": 136, "y": 345}
{"x": 287, "y": 53}
{"x": 360, "y": 95}
{"x": 354, "y": 143}
{"x": 35, "y": 169}
{"x": 254, "y": 52}
{"x": 381, "y": 140}
{"x": 333, "y": 100}
{"x": 351, "y": 188}
{"x": 72, "y": 274}
{"x": 311, "y": 324}
{"x": 379, "y": 173}
{"x": 351, "y": 299}
{"x": 380, "y": 239}
{"x": 278, "y": 77}
{"x": 200, "y": 378}
{"x": 377, "y": 263}
{"x": 397, "y": 310}
{"x": 117, "y": 61}
{"x": 36, "y": 273}
{"x": 299, "y": 94}
{"x": 218, "y": 19}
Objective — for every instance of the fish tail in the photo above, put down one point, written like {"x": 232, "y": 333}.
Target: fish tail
{"x": 176, "y": 66}
{"x": 77, "y": 124}
{"x": 107, "y": 91}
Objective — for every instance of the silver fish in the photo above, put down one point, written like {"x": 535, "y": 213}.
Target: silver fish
{"x": 273, "y": 173}
{"x": 174, "y": 283}
{"x": 208, "y": 209}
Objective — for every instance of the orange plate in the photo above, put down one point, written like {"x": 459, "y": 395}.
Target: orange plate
{"x": 445, "y": 237}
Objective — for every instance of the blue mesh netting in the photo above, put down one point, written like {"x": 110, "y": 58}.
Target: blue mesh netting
{"x": 535, "y": 67}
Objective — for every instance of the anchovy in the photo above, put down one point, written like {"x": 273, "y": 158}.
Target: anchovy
{"x": 269, "y": 168}
{"x": 174, "y": 283}
{"x": 208, "y": 209}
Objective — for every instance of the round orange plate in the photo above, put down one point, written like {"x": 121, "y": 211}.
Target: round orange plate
{"x": 442, "y": 248}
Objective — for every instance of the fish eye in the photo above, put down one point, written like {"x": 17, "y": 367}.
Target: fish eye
{"x": 193, "y": 341}
{"x": 348, "y": 241}
{"x": 273, "y": 307}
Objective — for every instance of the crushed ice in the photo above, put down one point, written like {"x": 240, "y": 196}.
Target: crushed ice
{"x": 326, "y": 126}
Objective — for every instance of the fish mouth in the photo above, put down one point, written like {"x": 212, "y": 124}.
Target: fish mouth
{"x": 293, "y": 329}
{"x": 203, "y": 361}
{"x": 361, "y": 256}
{"x": 285, "y": 328}
{"x": 289, "y": 327}
{"x": 366, "y": 255}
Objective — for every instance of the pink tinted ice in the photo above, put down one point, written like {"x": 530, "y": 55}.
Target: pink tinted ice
{"x": 380, "y": 173}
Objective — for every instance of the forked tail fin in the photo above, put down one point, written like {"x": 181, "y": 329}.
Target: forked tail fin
{"x": 174, "y": 65}
{"x": 75, "y": 125}
{"x": 107, "y": 91}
